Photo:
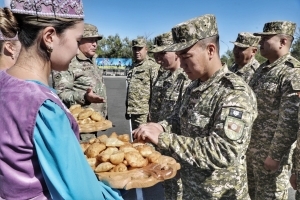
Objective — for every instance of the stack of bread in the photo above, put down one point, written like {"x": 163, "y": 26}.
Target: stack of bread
{"x": 126, "y": 165}
{"x": 88, "y": 119}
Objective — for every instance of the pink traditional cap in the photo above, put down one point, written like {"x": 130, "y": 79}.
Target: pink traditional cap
{"x": 47, "y": 8}
{"x": 4, "y": 38}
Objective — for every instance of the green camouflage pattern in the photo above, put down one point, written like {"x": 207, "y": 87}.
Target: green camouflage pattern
{"x": 91, "y": 31}
{"x": 151, "y": 48}
{"x": 140, "y": 80}
{"x": 161, "y": 42}
{"x": 189, "y": 32}
{"x": 278, "y": 27}
{"x": 173, "y": 187}
{"x": 274, "y": 131}
{"x": 259, "y": 175}
{"x": 247, "y": 71}
{"x": 82, "y": 74}
{"x": 246, "y": 39}
{"x": 296, "y": 160}
{"x": 137, "y": 120}
{"x": 139, "y": 42}
{"x": 214, "y": 127}
{"x": 167, "y": 91}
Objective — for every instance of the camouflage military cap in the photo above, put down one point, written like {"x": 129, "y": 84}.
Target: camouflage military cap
{"x": 162, "y": 41}
{"x": 278, "y": 27}
{"x": 91, "y": 31}
{"x": 139, "y": 42}
{"x": 188, "y": 33}
{"x": 246, "y": 39}
{"x": 152, "y": 47}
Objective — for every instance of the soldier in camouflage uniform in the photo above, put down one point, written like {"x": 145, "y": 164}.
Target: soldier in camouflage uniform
{"x": 295, "y": 177}
{"x": 275, "y": 83}
{"x": 169, "y": 85}
{"x": 211, "y": 132}
{"x": 83, "y": 82}
{"x": 140, "y": 79}
{"x": 245, "y": 48}
{"x": 167, "y": 92}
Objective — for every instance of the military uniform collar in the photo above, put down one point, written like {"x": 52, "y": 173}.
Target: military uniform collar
{"x": 142, "y": 62}
{"x": 278, "y": 61}
{"x": 81, "y": 57}
{"x": 246, "y": 67}
{"x": 213, "y": 79}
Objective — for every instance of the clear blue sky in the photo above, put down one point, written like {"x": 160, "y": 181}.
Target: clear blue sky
{"x": 132, "y": 18}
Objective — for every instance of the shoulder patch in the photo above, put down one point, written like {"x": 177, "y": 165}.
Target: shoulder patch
{"x": 235, "y": 80}
{"x": 292, "y": 62}
{"x": 234, "y": 128}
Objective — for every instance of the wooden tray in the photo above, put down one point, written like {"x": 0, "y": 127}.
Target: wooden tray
{"x": 141, "y": 177}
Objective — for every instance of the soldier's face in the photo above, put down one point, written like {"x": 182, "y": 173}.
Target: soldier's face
{"x": 269, "y": 46}
{"x": 156, "y": 57}
{"x": 66, "y": 45}
{"x": 169, "y": 60}
{"x": 194, "y": 61}
{"x": 139, "y": 53}
{"x": 88, "y": 46}
{"x": 242, "y": 55}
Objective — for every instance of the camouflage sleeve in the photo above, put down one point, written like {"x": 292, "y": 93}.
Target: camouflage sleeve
{"x": 172, "y": 123}
{"x": 63, "y": 83}
{"x": 287, "y": 126}
{"x": 227, "y": 139}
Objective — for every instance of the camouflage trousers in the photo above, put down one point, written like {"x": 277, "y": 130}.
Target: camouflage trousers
{"x": 265, "y": 185}
{"x": 173, "y": 188}
{"x": 297, "y": 195}
{"x": 137, "y": 120}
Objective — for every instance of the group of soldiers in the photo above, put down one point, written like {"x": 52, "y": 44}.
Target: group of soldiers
{"x": 226, "y": 125}
{"x": 233, "y": 128}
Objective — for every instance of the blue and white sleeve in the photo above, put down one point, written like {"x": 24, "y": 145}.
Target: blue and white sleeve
{"x": 63, "y": 164}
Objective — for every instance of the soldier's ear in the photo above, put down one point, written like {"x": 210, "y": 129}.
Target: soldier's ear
{"x": 211, "y": 50}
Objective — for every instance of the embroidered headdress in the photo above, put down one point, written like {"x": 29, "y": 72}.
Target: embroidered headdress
{"x": 47, "y": 8}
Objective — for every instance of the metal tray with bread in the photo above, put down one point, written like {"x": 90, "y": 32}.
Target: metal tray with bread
{"x": 89, "y": 120}
{"x": 125, "y": 165}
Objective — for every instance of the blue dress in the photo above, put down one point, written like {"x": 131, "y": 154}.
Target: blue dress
{"x": 63, "y": 164}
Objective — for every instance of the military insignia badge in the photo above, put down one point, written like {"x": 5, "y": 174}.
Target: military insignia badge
{"x": 234, "y": 128}
{"x": 235, "y": 113}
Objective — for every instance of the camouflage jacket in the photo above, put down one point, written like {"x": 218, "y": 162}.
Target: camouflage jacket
{"x": 167, "y": 91}
{"x": 140, "y": 80}
{"x": 82, "y": 74}
{"x": 296, "y": 154}
{"x": 212, "y": 134}
{"x": 274, "y": 131}
{"x": 247, "y": 71}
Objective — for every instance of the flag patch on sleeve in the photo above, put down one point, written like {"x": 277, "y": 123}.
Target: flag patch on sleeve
{"x": 235, "y": 113}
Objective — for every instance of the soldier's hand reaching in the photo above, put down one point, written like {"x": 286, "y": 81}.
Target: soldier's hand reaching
{"x": 91, "y": 97}
{"x": 293, "y": 181}
{"x": 148, "y": 132}
{"x": 271, "y": 165}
